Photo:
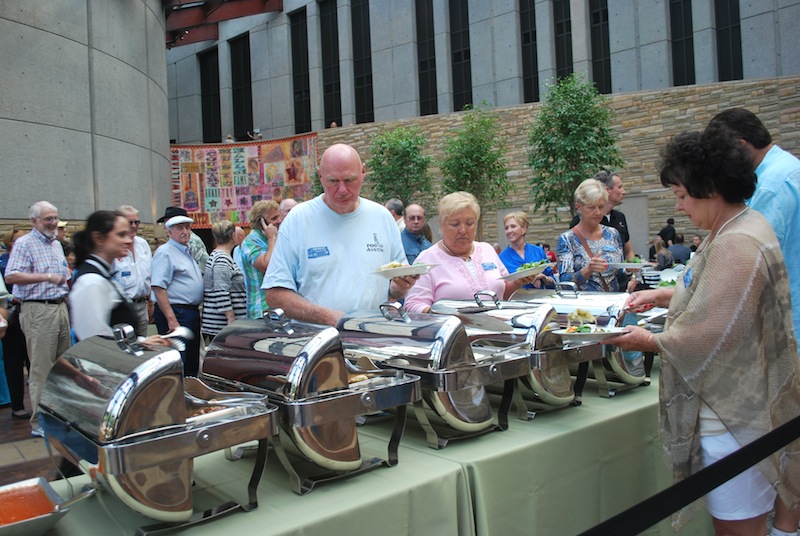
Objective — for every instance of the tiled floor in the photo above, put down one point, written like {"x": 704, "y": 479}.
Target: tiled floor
{"x": 22, "y": 456}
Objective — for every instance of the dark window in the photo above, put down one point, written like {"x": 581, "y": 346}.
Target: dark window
{"x": 530, "y": 65}
{"x": 300, "y": 82}
{"x": 331, "y": 87}
{"x": 563, "y": 38}
{"x": 209, "y": 96}
{"x": 729, "y": 40}
{"x": 680, "y": 15}
{"x": 362, "y": 61}
{"x": 601, "y": 51}
{"x": 241, "y": 87}
{"x": 426, "y": 59}
{"x": 460, "y": 54}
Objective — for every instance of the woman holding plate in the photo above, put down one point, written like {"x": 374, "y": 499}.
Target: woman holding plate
{"x": 520, "y": 252}
{"x": 465, "y": 266}
{"x": 585, "y": 251}
{"x": 729, "y": 367}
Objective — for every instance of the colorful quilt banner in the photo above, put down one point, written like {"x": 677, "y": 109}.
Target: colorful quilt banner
{"x": 221, "y": 182}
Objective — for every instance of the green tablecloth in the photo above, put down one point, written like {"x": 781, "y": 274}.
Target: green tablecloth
{"x": 565, "y": 471}
{"x": 559, "y": 474}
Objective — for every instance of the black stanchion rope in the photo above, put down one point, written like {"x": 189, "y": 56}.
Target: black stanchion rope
{"x": 639, "y": 517}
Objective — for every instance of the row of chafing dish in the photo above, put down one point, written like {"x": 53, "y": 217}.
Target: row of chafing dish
{"x": 129, "y": 418}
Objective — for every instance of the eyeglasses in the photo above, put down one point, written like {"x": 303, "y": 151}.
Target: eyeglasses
{"x": 50, "y": 219}
{"x": 134, "y": 222}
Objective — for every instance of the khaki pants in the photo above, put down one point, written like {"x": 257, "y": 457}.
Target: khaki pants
{"x": 46, "y": 329}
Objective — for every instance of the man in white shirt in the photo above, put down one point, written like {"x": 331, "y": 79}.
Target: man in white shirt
{"x": 133, "y": 271}
{"x": 328, "y": 248}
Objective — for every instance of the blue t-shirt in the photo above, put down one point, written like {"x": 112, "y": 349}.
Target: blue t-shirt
{"x": 512, "y": 261}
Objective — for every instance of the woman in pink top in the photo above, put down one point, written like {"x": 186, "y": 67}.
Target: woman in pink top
{"x": 465, "y": 266}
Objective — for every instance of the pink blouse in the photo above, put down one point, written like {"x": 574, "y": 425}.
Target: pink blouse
{"x": 452, "y": 278}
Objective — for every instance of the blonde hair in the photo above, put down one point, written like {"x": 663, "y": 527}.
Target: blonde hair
{"x": 456, "y": 202}
{"x": 260, "y": 210}
{"x": 661, "y": 247}
{"x": 222, "y": 231}
{"x": 591, "y": 192}
{"x": 520, "y": 216}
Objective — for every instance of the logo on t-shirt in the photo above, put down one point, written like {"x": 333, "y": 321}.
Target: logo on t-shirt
{"x": 375, "y": 245}
{"x": 315, "y": 253}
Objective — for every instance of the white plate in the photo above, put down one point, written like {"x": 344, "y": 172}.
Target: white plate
{"x": 629, "y": 265}
{"x": 598, "y": 336}
{"x": 413, "y": 269}
{"x": 519, "y": 274}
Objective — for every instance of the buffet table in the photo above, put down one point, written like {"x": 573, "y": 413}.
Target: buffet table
{"x": 559, "y": 474}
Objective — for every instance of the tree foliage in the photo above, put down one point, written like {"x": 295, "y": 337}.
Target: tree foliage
{"x": 474, "y": 159}
{"x": 398, "y": 169}
{"x": 570, "y": 140}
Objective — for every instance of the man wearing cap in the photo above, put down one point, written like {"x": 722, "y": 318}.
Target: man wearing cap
{"x": 133, "y": 271}
{"x": 38, "y": 270}
{"x": 178, "y": 285}
{"x": 196, "y": 244}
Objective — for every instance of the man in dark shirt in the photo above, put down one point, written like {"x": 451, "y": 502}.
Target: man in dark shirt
{"x": 613, "y": 218}
{"x": 667, "y": 233}
{"x": 679, "y": 251}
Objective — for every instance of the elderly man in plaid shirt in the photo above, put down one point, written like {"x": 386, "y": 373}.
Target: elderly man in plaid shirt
{"x": 38, "y": 270}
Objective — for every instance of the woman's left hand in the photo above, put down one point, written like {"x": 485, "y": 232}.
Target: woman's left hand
{"x": 634, "y": 338}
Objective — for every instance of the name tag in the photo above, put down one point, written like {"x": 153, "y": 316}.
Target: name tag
{"x": 315, "y": 253}
{"x": 125, "y": 274}
{"x": 609, "y": 248}
{"x": 687, "y": 277}
{"x": 488, "y": 266}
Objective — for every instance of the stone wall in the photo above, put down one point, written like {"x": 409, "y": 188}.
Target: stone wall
{"x": 644, "y": 120}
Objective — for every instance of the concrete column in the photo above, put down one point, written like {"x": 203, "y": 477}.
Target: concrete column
{"x": 545, "y": 52}
{"x": 495, "y": 50}
{"x": 706, "y": 68}
{"x": 346, "y": 79}
{"x": 280, "y": 82}
{"x": 395, "y": 84}
{"x": 623, "y": 45}
{"x": 788, "y": 37}
{"x": 315, "y": 67}
{"x": 444, "y": 73}
{"x": 225, "y": 87}
{"x": 760, "y": 34}
{"x": 654, "y": 46}
{"x": 260, "y": 78}
{"x": 581, "y": 37}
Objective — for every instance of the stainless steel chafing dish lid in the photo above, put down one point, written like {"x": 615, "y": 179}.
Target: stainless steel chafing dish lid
{"x": 430, "y": 341}
{"x": 607, "y": 307}
{"x": 292, "y": 359}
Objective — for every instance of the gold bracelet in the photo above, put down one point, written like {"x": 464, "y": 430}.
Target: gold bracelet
{"x": 649, "y": 339}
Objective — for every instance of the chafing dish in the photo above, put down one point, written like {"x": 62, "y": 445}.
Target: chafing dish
{"x": 302, "y": 369}
{"x": 125, "y": 414}
{"x": 528, "y": 331}
{"x": 609, "y": 310}
{"x": 454, "y": 402}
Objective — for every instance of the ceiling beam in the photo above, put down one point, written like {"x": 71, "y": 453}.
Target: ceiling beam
{"x": 179, "y": 20}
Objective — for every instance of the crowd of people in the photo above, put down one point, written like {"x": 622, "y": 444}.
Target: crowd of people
{"x": 316, "y": 261}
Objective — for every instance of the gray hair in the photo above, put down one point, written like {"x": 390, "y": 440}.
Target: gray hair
{"x": 222, "y": 231}
{"x": 396, "y": 206}
{"x": 39, "y": 206}
{"x": 606, "y": 177}
{"x": 128, "y": 209}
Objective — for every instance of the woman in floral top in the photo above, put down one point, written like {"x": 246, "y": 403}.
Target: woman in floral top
{"x": 585, "y": 251}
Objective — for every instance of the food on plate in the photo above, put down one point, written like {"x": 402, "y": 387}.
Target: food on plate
{"x": 667, "y": 283}
{"x": 393, "y": 264}
{"x": 581, "y": 316}
{"x": 586, "y": 328}
{"x": 529, "y": 265}
{"x": 635, "y": 260}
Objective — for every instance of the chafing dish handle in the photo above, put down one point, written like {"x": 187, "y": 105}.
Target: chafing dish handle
{"x": 566, "y": 289}
{"x": 222, "y": 509}
{"x": 490, "y": 293}
{"x": 399, "y": 314}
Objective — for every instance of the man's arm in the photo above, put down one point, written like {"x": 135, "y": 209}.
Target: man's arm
{"x": 163, "y": 304}
{"x": 627, "y": 250}
{"x": 270, "y": 232}
{"x": 22, "y": 278}
{"x": 297, "y": 307}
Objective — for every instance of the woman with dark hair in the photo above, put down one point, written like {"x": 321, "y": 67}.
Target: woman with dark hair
{"x": 729, "y": 367}
{"x": 96, "y": 302}
{"x": 224, "y": 295}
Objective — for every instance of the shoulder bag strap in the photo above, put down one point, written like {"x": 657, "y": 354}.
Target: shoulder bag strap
{"x": 585, "y": 245}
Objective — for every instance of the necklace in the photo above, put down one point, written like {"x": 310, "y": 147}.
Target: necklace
{"x": 447, "y": 250}
{"x": 721, "y": 227}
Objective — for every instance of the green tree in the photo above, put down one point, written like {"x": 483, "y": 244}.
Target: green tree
{"x": 570, "y": 140}
{"x": 398, "y": 168}
{"x": 474, "y": 159}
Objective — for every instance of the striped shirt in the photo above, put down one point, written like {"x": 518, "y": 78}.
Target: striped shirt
{"x": 35, "y": 253}
{"x": 223, "y": 290}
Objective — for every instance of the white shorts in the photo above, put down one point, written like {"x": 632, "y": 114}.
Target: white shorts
{"x": 748, "y": 494}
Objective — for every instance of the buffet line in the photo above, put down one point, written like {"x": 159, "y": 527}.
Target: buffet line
{"x": 125, "y": 414}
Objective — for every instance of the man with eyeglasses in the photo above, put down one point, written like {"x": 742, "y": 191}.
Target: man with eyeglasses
{"x": 414, "y": 241}
{"x": 133, "y": 272}
{"x": 38, "y": 270}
